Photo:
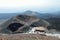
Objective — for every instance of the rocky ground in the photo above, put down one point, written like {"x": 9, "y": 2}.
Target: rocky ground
{"x": 26, "y": 37}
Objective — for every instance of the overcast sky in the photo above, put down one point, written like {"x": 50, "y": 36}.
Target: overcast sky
{"x": 11, "y": 6}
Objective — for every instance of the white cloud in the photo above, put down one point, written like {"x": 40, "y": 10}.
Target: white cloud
{"x": 16, "y": 5}
{"x": 27, "y": 3}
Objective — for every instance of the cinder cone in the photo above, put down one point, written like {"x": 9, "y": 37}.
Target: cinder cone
{"x": 19, "y": 24}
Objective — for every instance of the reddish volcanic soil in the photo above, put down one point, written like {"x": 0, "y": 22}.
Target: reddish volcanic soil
{"x": 26, "y": 37}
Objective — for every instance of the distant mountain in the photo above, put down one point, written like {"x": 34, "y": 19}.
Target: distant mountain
{"x": 6, "y": 15}
{"x": 42, "y": 15}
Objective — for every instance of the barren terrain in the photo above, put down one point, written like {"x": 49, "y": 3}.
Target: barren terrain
{"x": 26, "y": 37}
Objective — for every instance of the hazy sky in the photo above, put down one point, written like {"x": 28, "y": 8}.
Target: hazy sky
{"x": 11, "y": 6}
